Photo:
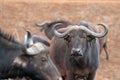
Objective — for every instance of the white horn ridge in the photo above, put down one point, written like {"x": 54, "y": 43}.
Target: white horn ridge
{"x": 37, "y": 48}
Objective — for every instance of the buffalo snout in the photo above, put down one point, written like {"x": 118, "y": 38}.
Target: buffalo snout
{"x": 76, "y": 52}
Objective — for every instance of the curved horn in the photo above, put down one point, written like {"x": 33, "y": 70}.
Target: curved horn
{"x": 37, "y": 23}
{"x": 37, "y": 49}
{"x": 105, "y": 30}
{"x": 76, "y": 27}
{"x": 42, "y": 25}
{"x": 58, "y": 33}
{"x": 28, "y": 39}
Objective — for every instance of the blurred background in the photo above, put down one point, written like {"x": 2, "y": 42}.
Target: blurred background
{"x": 16, "y": 16}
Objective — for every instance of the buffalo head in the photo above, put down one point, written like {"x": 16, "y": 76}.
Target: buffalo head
{"x": 78, "y": 37}
{"x": 42, "y": 60}
{"x": 17, "y": 60}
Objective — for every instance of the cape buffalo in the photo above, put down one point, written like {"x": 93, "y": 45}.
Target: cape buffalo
{"x": 75, "y": 49}
{"x": 18, "y": 61}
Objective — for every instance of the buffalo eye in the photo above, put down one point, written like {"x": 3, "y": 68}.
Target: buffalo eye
{"x": 67, "y": 37}
{"x": 43, "y": 59}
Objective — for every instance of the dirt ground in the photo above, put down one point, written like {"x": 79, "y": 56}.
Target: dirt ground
{"x": 16, "y": 16}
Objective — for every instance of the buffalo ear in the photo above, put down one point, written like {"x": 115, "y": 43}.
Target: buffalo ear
{"x": 90, "y": 38}
{"x": 28, "y": 41}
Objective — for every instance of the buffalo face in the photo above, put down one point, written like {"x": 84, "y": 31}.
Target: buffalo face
{"x": 78, "y": 38}
{"x": 77, "y": 42}
{"x": 41, "y": 60}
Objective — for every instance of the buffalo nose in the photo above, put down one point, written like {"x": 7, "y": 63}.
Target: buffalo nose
{"x": 76, "y": 52}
